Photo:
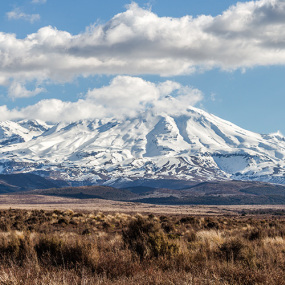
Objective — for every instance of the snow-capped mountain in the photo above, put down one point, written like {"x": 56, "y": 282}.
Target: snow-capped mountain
{"x": 22, "y": 131}
{"x": 194, "y": 146}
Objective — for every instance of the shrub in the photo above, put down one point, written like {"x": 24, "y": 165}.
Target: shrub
{"x": 63, "y": 221}
{"x": 5, "y": 225}
{"x": 16, "y": 247}
{"x": 167, "y": 227}
{"x": 188, "y": 220}
{"x": 56, "y": 251}
{"x": 191, "y": 236}
{"x": 146, "y": 238}
{"x": 86, "y": 232}
{"x": 231, "y": 249}
{"x": 255, "y": 234}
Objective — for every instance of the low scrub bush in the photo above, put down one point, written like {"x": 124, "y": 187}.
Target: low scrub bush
{"x": 16, "y": 247}
{"x": 146, "y": 238}
{"x": 67, "y": 252}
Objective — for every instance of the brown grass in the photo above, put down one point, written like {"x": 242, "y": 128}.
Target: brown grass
{"x": 70, "y": 247}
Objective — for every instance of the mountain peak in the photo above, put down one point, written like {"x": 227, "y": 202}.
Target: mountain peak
{"x": 194, "y": 146}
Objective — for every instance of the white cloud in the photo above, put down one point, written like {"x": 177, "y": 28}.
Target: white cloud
{"x": 125, "y": 93}
{"x": 17, "y": 14}
{"x": 39, "y": 1}
{"x": 124, "y": 96}
{"x": 18, "y": 90}
{"x": 138, "y": 41}
{"x": 213, "y": 97}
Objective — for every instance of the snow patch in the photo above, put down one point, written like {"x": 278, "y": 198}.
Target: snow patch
{"x": 231, "y": 164}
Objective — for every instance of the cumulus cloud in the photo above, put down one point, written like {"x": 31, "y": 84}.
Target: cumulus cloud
{"x": 138, "y": 41}
{"x": 125, "y": 96}
{"x": 17, "y": 90}
{"x": 17, "y": 14}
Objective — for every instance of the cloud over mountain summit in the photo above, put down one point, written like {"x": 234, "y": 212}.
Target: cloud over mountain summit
{"x": 124, "y": 96}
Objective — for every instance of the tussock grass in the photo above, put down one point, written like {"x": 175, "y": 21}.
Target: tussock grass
{"x": 67, "y": 247}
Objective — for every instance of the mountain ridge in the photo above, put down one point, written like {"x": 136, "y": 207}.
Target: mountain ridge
{"x": 194, "y": 146}
{"x": 205, "y": 193}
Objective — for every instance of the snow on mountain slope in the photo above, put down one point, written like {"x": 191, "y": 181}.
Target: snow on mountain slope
{"x": 194, "y": 146}
{"x": 22, "y": 131}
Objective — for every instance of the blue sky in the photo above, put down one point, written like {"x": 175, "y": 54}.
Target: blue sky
{"x": 62, "y": 57}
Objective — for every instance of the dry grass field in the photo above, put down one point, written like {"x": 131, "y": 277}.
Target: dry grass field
{"x": 47, "y": 240}
{"x": 38, "y": 202}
